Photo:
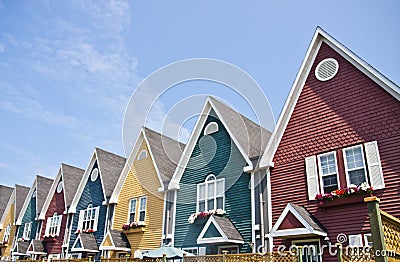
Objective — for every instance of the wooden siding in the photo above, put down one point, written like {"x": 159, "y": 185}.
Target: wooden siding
{"x": 347, "y": 110}
{"x": 142, "y": 180}
{"x": 29, "y": 216}
{"x": 57, "y": 204}
{"x": 227, "y": 163}
{"x": 92, "y": 194}
{"x": 10, "y": 218}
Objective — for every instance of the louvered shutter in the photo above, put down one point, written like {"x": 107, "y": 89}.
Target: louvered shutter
{"x": 47, "y": 231}
{"x": 96, "y": 218}
{"x": 312, "y": 177}
{"x": 374, "y": 165}
{"x": 80, "y": 221}
{"x": 59, "y": 224}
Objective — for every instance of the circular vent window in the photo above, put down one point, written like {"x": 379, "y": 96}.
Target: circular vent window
{"x": 326, "y": 69}
{"x": 60, "y": 187}
{"x": 94, "y": 174}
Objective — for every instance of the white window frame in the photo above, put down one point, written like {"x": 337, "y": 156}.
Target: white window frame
{"x": 358, "y": 238}
{"x": 189, "y": 249}
{"x": 142, "y": 155}
{"x": 320, "y": 173}
{"x": 222, "y": 248}
{"x": 53, "y": 225}
{"x": 7, "y": 233}
{"x": 135, "y": 210}
{"x": 211, "y": 128}
{"x": 366, "y": 240}
{"x": 27, "y": 230}
{"x": 346, "y": 167}
{"x": 141, "y": 209}
{"x": 206, "y": 184}
{"x": 85, "y": 220}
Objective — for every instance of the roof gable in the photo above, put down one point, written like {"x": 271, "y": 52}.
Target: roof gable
{"x": 21, "y": 193}
{"x": 319, "y": 37}
{"x": 115, "y": 240}
{"x": 249, "y": 138}
{"x": 5, "y": 194}
{"x": 219, "y": 230}
{"x": 86, "y": 243}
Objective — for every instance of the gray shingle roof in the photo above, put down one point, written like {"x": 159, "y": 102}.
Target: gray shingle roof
{"x": 43, "y": 186}
{"x": 119, "y": 239}
{"x": 228, "y": 228}
{"x": 21, "y": 248}
{"x": 38, "y": 246}
{"x": 111, "y": 166}
{"x": 21, "y": 192}
{"x": 310, "y": 219}
{"x": 252, "y": 137}
{"x": 71, "y": 178}
{"x": 5, "y": 194}
{"x": 166, "y": 152}
{"x": 88, "y": 242}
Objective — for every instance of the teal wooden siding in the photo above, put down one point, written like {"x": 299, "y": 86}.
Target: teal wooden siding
{"x": 227, "y": 163}
{"x": 92, "y": 194}
{"x": 29, "y": 216}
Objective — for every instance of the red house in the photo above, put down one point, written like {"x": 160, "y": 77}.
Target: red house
{"x": 338, "y": 134}
{"x": 54, "y": 214}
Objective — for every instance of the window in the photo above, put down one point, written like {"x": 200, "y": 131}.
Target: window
{"x": 88, "y": 219}
{"x": 132, "y": 210}
{"x": 142, "y": 155}
{"x": 60, "y": 187}
{"x": 142, "y": 208}
{"x": 27, "y": 230}
{"x": 211, "y": 128}
{"x": 210, "y": 194}
{"x": 7, "y": 233}
{"x": 354, "y": 165}
{"x": 368, "y": 240}
{"x": 355, "y": 240}
{"x": 191, "y": 250}
{"x": 328, "y": 172}
{"x": 94, "y": 175}
{"x": 53, "y": 225}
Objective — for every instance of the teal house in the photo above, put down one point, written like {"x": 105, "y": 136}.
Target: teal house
{"x": 213, "y": 187}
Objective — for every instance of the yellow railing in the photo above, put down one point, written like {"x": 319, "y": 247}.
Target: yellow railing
{"x": 391, "y": 231}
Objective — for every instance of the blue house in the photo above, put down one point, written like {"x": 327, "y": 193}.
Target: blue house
{"x": 214, "y": 186}
{"x": 90, "y": 212}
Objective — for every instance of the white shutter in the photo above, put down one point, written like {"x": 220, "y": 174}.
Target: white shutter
{"x": 59, "y": 224}
{"x": 96, "y": 218}
{"x": 46, "y": 233}
{"x": 312, "y": 177}
{"x": 374, "y": 165}
{"x": 80, "y": 221}
{"x": 202, "y": 251}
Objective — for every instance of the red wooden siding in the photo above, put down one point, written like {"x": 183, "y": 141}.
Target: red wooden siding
{"x": 57, "y": 204}
{"x": 346, "y": 110}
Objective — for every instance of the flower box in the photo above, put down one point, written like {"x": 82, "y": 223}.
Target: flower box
{"x": 134, "y": 227}
{"x": 344, "y": 196}
{"x": 134, "y": 230}
{"x": 344, "y": 201}
{"x": 50, "y": 238}
{"x": 205, "y": 214}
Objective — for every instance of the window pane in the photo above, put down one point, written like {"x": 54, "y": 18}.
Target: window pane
{"x": 220, "y": 202}
{"x": 211, "y": 190}
{"x": 202, "y": 191}
{"x": 210, "y": 204}
{"x": 220, "y": 187}
{"x": 142, "y": 215}
{"x": 357, "y": 177}
{"x": 328, "y": 164}
{"x": 131, "y": 217}
{"x": 132, "y": 207}
{"x": 143, "y": 203}
{"x": 202, "y": 205}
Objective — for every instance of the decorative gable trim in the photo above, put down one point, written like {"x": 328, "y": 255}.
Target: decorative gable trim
{"x": 222, "y": 239}
{"x": 8, "y": 207}
{"x": 112, "y": 247}
{"x": 205, "y": 112}
{"x": 32, "y": 250}
{"x": 307, "y": 229}
{"x": 319, "y": 37}
{"x": 82, "y": 248}
{"x": 50, "y": 196}
{"x": 26, "y": 203}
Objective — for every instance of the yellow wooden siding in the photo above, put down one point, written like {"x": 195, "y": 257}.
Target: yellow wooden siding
{"x": 142, "y": 180}
{"x": 6, "y": 252}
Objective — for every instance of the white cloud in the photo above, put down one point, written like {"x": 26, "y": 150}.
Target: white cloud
{"x": 2, "y": 48}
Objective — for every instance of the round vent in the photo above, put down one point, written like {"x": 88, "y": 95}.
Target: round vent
{"x": 94, "y": 174}
{"x": 326, "y": 69}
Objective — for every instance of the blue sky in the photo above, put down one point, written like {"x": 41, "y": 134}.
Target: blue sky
{"x": 68, "y": 68}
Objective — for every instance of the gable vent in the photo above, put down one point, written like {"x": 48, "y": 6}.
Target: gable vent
{"x": 326, "y": 69}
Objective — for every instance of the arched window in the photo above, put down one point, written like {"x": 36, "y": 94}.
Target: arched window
{"x": 211, "y": 194}
{"x": 88, "y": 218}
{"x": 142, "y": 155}
{"x": 60, "y": 187}
{"x": 53, "y": 225}
{"x": 211, "y": 128}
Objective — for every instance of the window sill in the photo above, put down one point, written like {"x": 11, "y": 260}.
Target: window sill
{"x": 344, "y": 201}
{"x": 134, "y": 230}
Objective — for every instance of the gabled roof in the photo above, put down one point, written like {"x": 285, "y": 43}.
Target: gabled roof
{"x": 300, "y": 221}
{"x": 165, "y": 153}
{"x": 36, "y": 247}
{"x": 86, "y": 243}
{"x": 227, "y": 233}
{"x": 20, "y": 248}
{"x": 42, "y": 187}
{"x": 18, "y": 196}
{"x": 110, "y": 168}
{"x": 118, "y": 240}
{"x": 249, "y": 137}
{"x": 71, "y": 176}
{"x": 320, "y": 36}
{"x": 5, "y": 194}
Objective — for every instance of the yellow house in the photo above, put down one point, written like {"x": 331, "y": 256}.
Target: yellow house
{"x": 8, "y": 220}
{"x": 139, "y": 196}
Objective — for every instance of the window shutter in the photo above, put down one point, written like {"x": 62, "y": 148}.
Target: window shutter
{"x": 46, "y": 233}
{"x": 312, "y": 177}
{"x": 202, "y": 251}
{"x": 96, "y": 218}
{"x": 59, "y": 224}
{"x": 80, "y": 221}
{"x": 374, "y": 165}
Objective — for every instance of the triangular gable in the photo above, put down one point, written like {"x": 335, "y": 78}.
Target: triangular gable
{"x": 213, "y": 232}
{"x": 85, "y": 243}
{"x": 36, "y": 247}
{"x": 245, "y": 148}
{"x": 26, "y": 202}
{"x": 7, "y": 209}
{"x": 108, "y": 242}
{"x": 320, "y": 36}
{"x": 78, "y": 245}
{"x": 50, "y": 195}
{"x": 5, "y": 194}
{"x": 293, "y": 223}
{"x": 20, "y": 249}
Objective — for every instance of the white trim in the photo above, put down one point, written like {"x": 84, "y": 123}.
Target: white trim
{"x": 42, "y": 215}
{"x": 366, "y": 239}
{"x": 253, "y": 212}
{"x": 320, "y": 172}
{"x": 129, "y": 209}
{"x": 209, "y": 240}
{"x": 7, "y": 209}
{"x": 139, "y": 157}
{"x": 26, "y": 202}
{"x": 206, "y": 184}
{"x": 210, "y": 125}
{"x": 319, "y": 36}
{"x": 346, "y": 169}
{"x": 154, "y": 161}
{"x": 173, "y": 218}
{"x": 358, "y": 237}
{"x": 101, "y": 247}
{"x": 145, "y": 208}
{"x": 269, "y": 199}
